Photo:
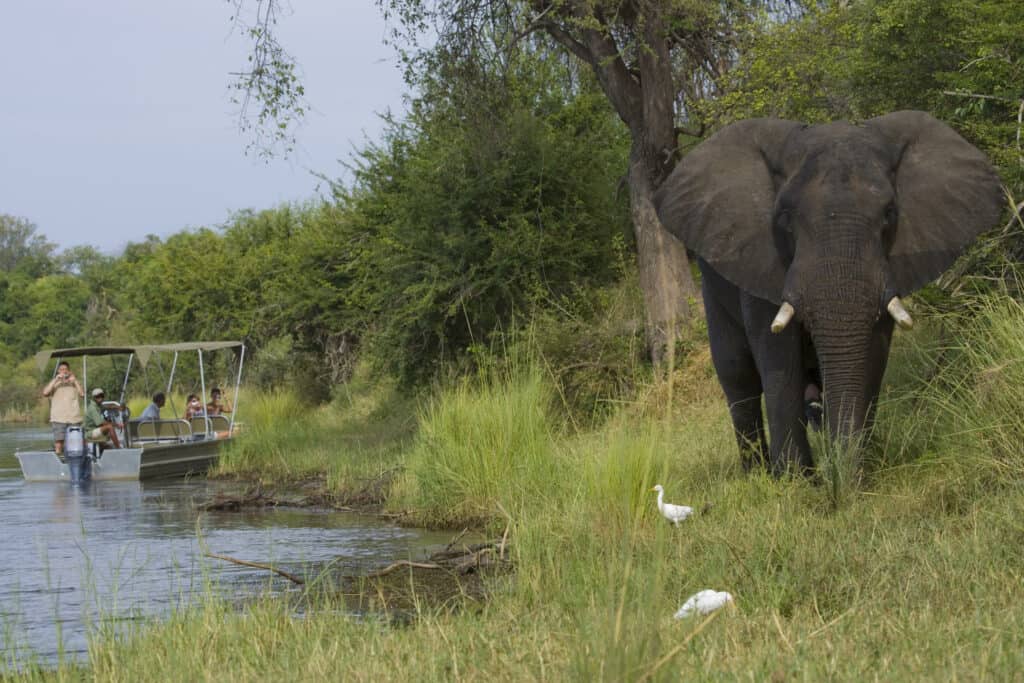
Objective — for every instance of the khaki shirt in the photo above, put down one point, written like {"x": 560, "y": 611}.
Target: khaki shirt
{"x": 64, "y": 405}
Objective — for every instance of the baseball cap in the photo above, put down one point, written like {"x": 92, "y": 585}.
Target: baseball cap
{"x": 97, "y": 392}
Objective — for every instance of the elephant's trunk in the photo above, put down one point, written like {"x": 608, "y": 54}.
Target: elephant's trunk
{"x": 842, "y": 340}
{"x": 846, "y": 402}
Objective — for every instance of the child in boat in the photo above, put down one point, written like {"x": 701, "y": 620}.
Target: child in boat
{"x": 193, "y": 407}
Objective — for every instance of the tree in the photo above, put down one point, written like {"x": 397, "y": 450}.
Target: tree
{"x": 651, "y": 57}
{"x": 491, "y": 199}
{"x": 56, "y": 316}
{"x": 22, "y": 248}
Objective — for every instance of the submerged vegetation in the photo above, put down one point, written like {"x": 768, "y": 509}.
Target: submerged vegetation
{"x": 456, "y": 338}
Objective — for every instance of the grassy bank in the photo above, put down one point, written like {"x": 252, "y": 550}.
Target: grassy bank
{"x": 912, "y": 573}
{"x": 353, "y": 447}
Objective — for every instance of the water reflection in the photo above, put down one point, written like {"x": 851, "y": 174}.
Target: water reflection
{"x": 125, "y": 550}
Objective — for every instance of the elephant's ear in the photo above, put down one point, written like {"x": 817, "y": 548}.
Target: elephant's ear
{"x": 947, "y": 193}
{"x": 719, "y": 202}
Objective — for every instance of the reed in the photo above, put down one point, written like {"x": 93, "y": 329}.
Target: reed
{"x": 481, "y": 448}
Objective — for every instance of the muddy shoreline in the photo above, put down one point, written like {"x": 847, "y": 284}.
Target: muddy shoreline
{"x": 459, "y": 576}
{"x": 368, "y": 498}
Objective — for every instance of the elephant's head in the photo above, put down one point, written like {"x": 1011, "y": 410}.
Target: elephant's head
{"x": 833, "y": 223}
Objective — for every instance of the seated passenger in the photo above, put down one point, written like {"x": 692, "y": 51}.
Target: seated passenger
{"x": 193, "y": 407}
{"x": 152, "y": 411}
{"x": 97, "y": 428}
{"x": 217, "y": 404}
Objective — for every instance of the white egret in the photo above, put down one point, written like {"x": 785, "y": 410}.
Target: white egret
{"x": 703, "y": 602}
{"x": 673, "y": 513}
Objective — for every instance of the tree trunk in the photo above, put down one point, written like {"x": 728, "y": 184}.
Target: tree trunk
{"x": 665, "y": 279}
{"x": 644, "y": 99}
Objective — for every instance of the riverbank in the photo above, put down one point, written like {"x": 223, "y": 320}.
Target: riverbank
{"x": 37, "y": 414}
{"x": 911, "y": 572}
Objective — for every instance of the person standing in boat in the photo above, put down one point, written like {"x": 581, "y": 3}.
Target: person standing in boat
{"x": 152, "y": 411}
{"x": 64, "y": 391}
{"x": 97, "y": 427}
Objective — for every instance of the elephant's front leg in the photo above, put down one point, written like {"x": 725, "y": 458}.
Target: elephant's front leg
{"x": 734, "y": 365}
{"x": 780, "y": 363}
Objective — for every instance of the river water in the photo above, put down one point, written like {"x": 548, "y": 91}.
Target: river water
{"x": 125, "y": 551}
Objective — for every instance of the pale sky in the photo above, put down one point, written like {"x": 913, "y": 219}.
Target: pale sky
{"x": 116, "y": 119}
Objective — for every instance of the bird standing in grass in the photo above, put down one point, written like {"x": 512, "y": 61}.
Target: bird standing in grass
{"x": 673, "y": 513}
{"x": 704, "y": 602}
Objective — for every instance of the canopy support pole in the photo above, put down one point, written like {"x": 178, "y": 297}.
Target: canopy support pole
{"x": 124, "y": 385}
{"x": 174, "y": 365}
{"x": 238, "y": 383}
{"x": 202, "y": 384}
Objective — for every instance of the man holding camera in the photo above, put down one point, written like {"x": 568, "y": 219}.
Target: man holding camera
{"x": 64, "y": 392}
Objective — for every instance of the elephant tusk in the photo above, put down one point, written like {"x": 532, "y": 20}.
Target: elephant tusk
{"x": 899, "y": 314}
{"x": 783, "y": 317}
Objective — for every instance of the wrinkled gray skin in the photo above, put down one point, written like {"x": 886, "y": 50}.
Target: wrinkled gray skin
{"x": 834, "y": 219}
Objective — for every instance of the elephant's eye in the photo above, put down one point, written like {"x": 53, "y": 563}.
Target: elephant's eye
{"x": 782, "y": 220}
{"x": 892, "y": 215}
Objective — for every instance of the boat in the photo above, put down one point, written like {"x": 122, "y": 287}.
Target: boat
{"x": 150, "y": 449}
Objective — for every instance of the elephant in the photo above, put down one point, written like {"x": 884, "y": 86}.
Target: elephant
{"x": 807, "y": 237}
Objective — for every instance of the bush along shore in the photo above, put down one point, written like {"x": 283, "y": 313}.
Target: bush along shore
{"x": 908, "y": 568}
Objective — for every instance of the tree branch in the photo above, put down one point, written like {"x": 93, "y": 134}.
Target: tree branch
{"x": 979, "y": 96}
{"x": 567, "y": 41}
{"x": 257, "y": 565}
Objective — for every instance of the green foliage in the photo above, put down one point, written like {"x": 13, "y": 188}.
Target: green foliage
{"x": 22, "y": 249}
{"x": 270, "y": 278}
{"x": 592, "y": 345}
{"x": 958, "y": 386}
{"x": 487, "y": 200}
{"x": 41, "y": 306}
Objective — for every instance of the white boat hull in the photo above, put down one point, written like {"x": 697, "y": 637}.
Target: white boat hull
{"x": 152, "y": 461}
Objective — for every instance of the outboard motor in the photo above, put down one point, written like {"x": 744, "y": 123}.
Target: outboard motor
{"x": 75, "y": 451}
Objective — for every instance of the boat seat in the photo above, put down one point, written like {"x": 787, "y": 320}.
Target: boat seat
{"x": 218, "y": 423}
{"x": 159, "y": 430}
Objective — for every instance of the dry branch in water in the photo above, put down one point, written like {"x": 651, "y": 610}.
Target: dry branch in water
{"x": 257, "y": 565}
{"x": 464, "y": 560}
{"x": 403, "y": 563}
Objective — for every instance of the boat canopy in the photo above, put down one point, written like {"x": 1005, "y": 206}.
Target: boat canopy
{"x": 142, "y": 351}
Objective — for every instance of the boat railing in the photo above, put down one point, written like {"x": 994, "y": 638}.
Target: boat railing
{"x": 212, "y": 425}
{"x": 159, "y": 431}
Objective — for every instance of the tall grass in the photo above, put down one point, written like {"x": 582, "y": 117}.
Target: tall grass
{"x": 482, "y": 448}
